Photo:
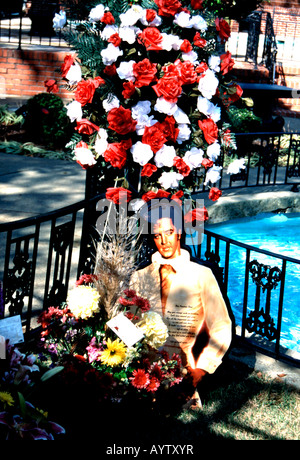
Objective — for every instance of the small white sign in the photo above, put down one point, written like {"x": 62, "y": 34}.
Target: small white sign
{"x": 2, "y": 347}
{"x": 11, "y": 328}
{"x": 125, "y": 329}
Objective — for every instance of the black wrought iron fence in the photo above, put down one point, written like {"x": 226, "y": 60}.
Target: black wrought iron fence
{"x": 269, "y": 159}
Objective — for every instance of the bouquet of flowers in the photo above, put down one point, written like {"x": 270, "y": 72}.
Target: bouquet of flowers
{"x": 78, "y": 332}
{"x": 151, "y": 82}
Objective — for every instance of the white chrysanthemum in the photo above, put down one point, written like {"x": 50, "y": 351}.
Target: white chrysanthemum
{"x": 184, "y": 133}
{"x": 154, "y": 329}
{"x": 170, "y": 179}
{"x": 125, "y": 70}
{"x": 236, "y": 166}
{"x": 208, "y": 84}
{"x": 101, "y": 143}
{"x": 83, "y": 301}
{"x": 141, "y": 153}
{"x": 110, "y": 54}
{"x": 165, "y": 156}
{"x": 213, "y": 174}
{"x": 111, "y": 102}
{"x": 74, "y": 111}
{"x": 96, "y": 13}
{"x": 194, "y": 157}
{"x": 213, "y": 151}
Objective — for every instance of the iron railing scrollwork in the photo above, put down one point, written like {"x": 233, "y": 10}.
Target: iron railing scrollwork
{"x": 270, "y": 48}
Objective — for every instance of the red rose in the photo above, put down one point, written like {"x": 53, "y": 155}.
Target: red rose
{"x": 214, "y": 194}
{"x": 199, "y": 41}
{"x": 234, "y": 92}
{"x": 150, "y": 15}
{"x": 118, "y": 195}
{"x": 210, "y": 130}
{"x": 51, "y": 86}
{"x": 65, "y": 67}
{"x": 110, "y": 70}
{"x": 168, "y": 7}
{"x": 186, "y": 46}
{"x": 201, "y": 68}
{"x": 197, "y": 4}
{"x": 168, "y": 129}
{"x": 169, "y": 88}
{"x": 182, "y": 167}
{"x": 226, "y": 63}
{"x": 151, "y": 38}
{"x": 154, "y": 136}
{"x": 115, "y": 39}
{"x": 144, "y": 72}
{"x": 148, "y": 170}
{"x": 98, "y": 81}
{"x": 152, "y": 195}
{"x": 108, "y": 18}
{"x": 206, "y": 163}
{"x": 223, "y": 28}
{"x": 116, "y": 153}
{"x": 129, "y": 89}
{"x": 85, "y": 126}
{"x": 186, "y": 72}
{"x": 120, "y": 120}
{"x": 177, "y": 196}
{"x": 194, "y": 215}
{"x": 85, "y": 91}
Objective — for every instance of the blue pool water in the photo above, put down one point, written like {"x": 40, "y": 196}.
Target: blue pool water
{"x": 280, "y": 234}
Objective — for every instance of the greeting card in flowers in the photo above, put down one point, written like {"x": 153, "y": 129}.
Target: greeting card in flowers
{"x": 125, "y": 329}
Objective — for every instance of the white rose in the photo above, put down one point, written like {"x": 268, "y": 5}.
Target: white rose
{"x": 125, "y": 70}
{"x": 111, "y": 102}
{"x": 213, "y": 174}
{"x": 74, "y": 74}
{"x": 165, "y": 156}
{"x": 74, "y": 111}
{"x": 213, "y": 151}
{"x": 208, "y": 84}
{"x": 193, "y": 157}
{"x": 96, "y": 13}
{"x": 141, "y": 153}
{"x": 236, "y": 166}
{"x": 110, "y": 54}
{"x": 170, "y": 180}
{"x": 184, "y": 133}
{"x": 101, "y": 143}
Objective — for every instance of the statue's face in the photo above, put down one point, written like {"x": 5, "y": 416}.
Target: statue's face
{"x": 166, "y": 238}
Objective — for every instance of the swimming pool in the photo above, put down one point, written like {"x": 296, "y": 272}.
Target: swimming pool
{"x": 277, "y": 233}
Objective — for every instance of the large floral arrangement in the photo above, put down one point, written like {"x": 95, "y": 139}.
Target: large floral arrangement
{"x": 77, "y": 332}
{"x": 151, "y": 80}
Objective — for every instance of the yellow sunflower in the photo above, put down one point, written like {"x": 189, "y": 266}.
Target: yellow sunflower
{"x": 114, "y": 354}
{"x": 6, "y": 398}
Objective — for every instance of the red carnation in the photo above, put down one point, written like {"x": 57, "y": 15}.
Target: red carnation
{"x": 181, "y": 166}
{"x": 108, "y": 18}
{"x": 154, "y": 136}
{"x": 144, "y": 72}
{"x": 210, "y": 130}
{"x": 197, "y": 4}
{"x": 65, "y": 67}
{"x": 227, "y": 63}
{"x": 206, "y": 163}
{"x": 196, "y": 215}
{"x": 118, "y": 195}
{"x": 148, "y": 170}
{"x": 152, "y": 195}
{"x": 214, "y": 194}
{"x": 115, "y": 39}
{"x": 110, "y": 70}
{"x": 51, "y": 86}
{"x": 129, "y": 89}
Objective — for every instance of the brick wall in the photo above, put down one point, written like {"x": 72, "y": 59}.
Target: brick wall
{"x": 23, "y": 72}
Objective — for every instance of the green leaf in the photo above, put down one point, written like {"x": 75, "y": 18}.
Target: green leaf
{"x": 22, "y": 404}
{"x": 49, "y": 374}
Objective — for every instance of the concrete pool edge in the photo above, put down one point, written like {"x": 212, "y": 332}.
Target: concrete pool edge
{"x": 250, "y": 201}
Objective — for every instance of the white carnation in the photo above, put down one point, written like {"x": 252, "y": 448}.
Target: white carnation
{"x": 141, "y": 153}
{"x": 74, "y": 74}
{"x": 110, "y": 54}
{"x": 155, "y": 23}
{"x": 128, "y": 34}
{"x": 165, "y": 156}
{"x": 108, "y": 31}
{"x": 214, "y": 63}
{"x": 74, "y": 111}
{"x": 141, "y": 108}
{"x": 213, "y": 174}
{"x": 208, "y": 84}
{"x": 236, "y": 166}
{"x": 131, "y": 17}
{"x": 191, "y": 56}
{"x": 84, "y": 156}
{"x": 96, "y": 13}
{"x": 101, "y": 143}
{"x": 184, "y": 133}
{"x": 194, "y": 157}
{"x": 209, "y": 109}
{"x": 111, "y": 102}
{"x": 125, "y": 70}
{"x": 198, "y": 23}
{"x": 182, "y": 20}
{"x": 163, "y": 106}
{"x": 170, "y": 180}
{"x": 213, "y": 151}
